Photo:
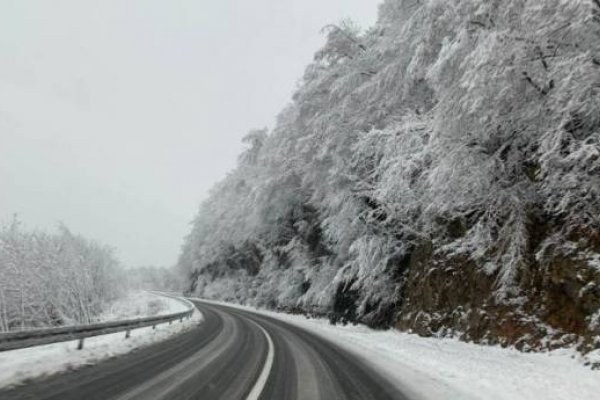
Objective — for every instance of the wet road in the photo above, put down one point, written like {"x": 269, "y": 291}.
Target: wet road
{"x": 233, "y": 354}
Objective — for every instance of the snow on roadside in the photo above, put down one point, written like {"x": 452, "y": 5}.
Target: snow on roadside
{"x": 140, "y": 304}
{"x": 21, "y": 365}
{"x": 430, "y": 368}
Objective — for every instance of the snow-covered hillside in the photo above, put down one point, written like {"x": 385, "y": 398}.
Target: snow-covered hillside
{"x": 438, "y": 172}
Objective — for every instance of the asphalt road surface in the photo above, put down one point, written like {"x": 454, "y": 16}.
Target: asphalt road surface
{"x": 232, "y": 354}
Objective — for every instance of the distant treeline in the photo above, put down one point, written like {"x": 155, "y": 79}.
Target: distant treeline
{"x": 155, "y": 278}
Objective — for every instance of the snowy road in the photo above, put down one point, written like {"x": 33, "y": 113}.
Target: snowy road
{"x": 233, "y": 354}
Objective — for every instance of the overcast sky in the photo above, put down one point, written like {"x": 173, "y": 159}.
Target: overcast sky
{"x": 116, "y": 117}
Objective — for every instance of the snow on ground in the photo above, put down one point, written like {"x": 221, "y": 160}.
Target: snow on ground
{"x": 140, "y": 304}
{"x": 433, "y": 368}
{"x": 21, "y": 365}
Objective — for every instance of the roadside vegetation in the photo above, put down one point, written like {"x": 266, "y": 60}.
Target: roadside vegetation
{"x": 54, "y": 278}
{"x": 438, "y": 172}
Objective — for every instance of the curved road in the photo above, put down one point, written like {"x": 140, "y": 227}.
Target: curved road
{"x": 232, "y": 354}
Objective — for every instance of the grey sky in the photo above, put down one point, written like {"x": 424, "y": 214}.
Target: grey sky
{"x": 117, "y": 116}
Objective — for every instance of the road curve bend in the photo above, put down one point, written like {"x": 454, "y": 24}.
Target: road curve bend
{"x": 233, "y": 354}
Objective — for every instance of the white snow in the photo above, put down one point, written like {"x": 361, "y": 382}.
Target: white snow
{"x": 35, "y": 362}
{"x": 430, "y": 368}
{"x": 140, "y": 304}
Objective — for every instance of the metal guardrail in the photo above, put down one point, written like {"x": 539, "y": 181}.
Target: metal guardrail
{"x": 36, "y": 337}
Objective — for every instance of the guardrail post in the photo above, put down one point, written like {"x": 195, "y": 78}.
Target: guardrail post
{"x": 153, "y": 326}
{"x": 127, "y": 334}
{"x": 80, "y": 344}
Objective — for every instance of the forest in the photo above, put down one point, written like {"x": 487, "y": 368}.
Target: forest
{"x": 438, "y": 172}
{"x": 54, "y": 279}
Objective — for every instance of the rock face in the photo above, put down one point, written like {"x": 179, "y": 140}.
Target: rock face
{"x": 557, "y": 305}
{"x": 438, "y": 173}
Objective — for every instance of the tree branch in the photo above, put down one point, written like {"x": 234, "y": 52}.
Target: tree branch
{"x": 481, "y": 24}
{"x": 348, "y": 36}
{"x": 543, "y": 57}
{"x": 532, "y": 83}
{"x": 542, "y": 91}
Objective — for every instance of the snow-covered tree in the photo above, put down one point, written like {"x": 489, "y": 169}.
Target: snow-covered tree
{"x": 459, "y": 131}
{"x": 53, "y": 279}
